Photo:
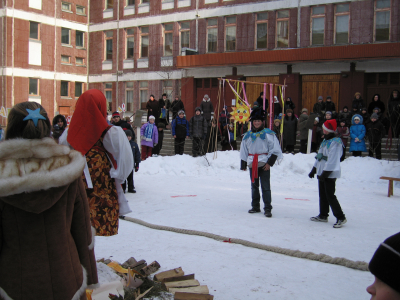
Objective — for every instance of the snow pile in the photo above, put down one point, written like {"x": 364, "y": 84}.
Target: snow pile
{"x": 106, "y": 274}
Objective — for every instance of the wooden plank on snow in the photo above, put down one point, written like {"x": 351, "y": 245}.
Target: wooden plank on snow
{"x": 179, "y": 278}
{"x": 192, "y": 296}
{"x": 182, "y": 284}
{"x": 202, "y": 289}
{"x": 170, "y": 273}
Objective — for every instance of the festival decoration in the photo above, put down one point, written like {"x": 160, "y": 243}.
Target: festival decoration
{"x": 240, "y": 113}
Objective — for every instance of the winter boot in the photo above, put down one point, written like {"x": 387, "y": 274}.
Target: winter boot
{"x": 319, "y": 219}
{"x": 339, "y": 223}
{"x": 268, "y": 213}
{"x": 254, "y": 210}
{"x": 132, "y": 190}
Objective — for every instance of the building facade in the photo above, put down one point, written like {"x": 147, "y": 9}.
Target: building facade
{"x": 131, "y": 49}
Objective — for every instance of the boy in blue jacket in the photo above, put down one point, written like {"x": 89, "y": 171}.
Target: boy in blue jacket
{"x": 180, "y": 132}
{"x": 136, "y": 161}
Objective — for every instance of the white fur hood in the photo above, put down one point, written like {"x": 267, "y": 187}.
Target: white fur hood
{"x": 29, "y": 166}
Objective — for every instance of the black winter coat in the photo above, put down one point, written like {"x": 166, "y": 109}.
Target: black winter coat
{"x": 198, "y": 126}
{"x": 319, "y": 108}
{"x": 289, "y": 105}
{"x": 289, "y": 130}
{"x": 207, "y": 108}
{"x": 125, "y": 126}
{"x": 330, "y": 106}
{"x": 378, "y": 104}
{"x": 357, "y": 103}
{"x": 375, "y": 131}
{"x": 177, "y": 106}
{"x": 153, "y": 109}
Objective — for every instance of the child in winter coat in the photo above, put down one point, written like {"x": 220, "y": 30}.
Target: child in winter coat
{"x": 46, "y": 241}
{"x": 157, "y": 148}
{"x": 149, "y": 136}
{"x": 357, "y": 134}
{"x": 230, "y": 142}
{"x": 327, "y": 168}
{"x": 316, "y": 135}
{"x": 136, "y": 161}
{"x": 180, "y": 132}
{"x": 343, "y": 133}
{"x": 198, "y": 132}
{"x": 375, "y": 132}
{"x": 345, "y": 115}
{"x": 277, "y": 128}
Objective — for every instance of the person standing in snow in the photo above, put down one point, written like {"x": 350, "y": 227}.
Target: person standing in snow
{"x": 327, "y": 168}
{"x": 259, "y": 150}
{"x": 289, "y": 131}
{"x": 157, "y": 148}
{"x": 136, "y": 161}
{"x": 357, "y": 134}
{"x": 180, "y": 132}
{"x": 207, "y": 108}
{"x": 46, "y": 241}
{"x": 303, "y": 130}
{"x": 375, "y": 132}
{"x": 198, "y": 132}
{"x": 343, "y": 133}
{"x": 149, "y": 136}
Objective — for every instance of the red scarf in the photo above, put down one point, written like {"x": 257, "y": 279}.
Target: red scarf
{"x": 254, "y": 166}
{"x": 88, "y": 121}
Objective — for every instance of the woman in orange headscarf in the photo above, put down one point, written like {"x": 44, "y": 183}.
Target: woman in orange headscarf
{"x": 109, "y": 160}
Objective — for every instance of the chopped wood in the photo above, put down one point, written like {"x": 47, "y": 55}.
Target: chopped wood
{"x": 202, "y": 289}
{"x": 170, "y": 273}
{"x": 192, "y": 296}
{"x": 140, "y": 296}
{"x": 178, "y": 278}
{"x": 181, "y": 284}
{"x": 151, "y": 268}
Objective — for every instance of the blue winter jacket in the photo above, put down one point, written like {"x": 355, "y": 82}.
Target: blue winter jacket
{"x": 357, "y": 131}
{"x": 180, "y": 127}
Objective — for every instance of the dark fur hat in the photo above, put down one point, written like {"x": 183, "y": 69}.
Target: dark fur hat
{"x": 257, "y": 114}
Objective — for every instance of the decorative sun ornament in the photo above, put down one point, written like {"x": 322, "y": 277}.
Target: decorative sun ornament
{"x": 240, "y": 113}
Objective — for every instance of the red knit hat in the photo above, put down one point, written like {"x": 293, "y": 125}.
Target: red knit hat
{"x": 330, "y": 125}
{"x": 116, "y": 114}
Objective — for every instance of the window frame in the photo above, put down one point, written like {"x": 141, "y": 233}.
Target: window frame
{"x": 226, "y": 26}
{"x": 335, "y": 23}
{"x": 83, "y": 61}
{"x": 83, "y": 8}
{"x": 144, "y": 35}
{"x": 106, "y": 40}
{"x": 77, "y": 83}
{"x": 185, "y": 31}
{"x": 317, "y": 16}
{"x": 66, "y": 63}
{"x": 127, "y": 37}
{"x": 38, "y": 31}
{"x": 127, "y": 3}
{"x": 69, "y": 36}
{"x": 107, "y": 88}
{"x": 216, "y": 42}
{"x": 390, "y": 20}
{"x": 61, "y": 89}
{"x": 37, "y": 86}
{"x": 256, "y": 30}
{"x": 142, "y": 88}
{"x": 69, "y": 5}
{"x": 83, "y": 39}
{"x": 169, "y": 32}
{"x": 285, "y": 19}
{"x": 107, "y": 5}
{"x": 129, "y": 89}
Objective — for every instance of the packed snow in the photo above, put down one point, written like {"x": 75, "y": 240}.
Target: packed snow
{"x": 213, "y": 195}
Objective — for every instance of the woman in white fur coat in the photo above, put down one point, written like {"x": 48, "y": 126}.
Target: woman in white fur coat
{"x": 46, "y": 241}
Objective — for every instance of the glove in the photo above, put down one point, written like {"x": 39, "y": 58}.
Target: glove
{"x": 312, "y": 173}
{"x": 324, "y": 175}
{"x": 243, "y": 165}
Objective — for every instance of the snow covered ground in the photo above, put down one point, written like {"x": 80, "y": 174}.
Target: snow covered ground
{"x": 216, "y": 199}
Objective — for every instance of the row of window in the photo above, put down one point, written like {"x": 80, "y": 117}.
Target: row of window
{"x": 317, "y": 28}
{"x": 109, "y": 4}
{"x": 34, "y": 34}
{"x": 34, "y": 88}
{"x": 67, "y": 7}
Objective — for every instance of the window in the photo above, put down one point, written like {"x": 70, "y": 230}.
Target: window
{"x": 342, "y": 16}
{"x": 80, "y": 61}
{"x": 78, "y": 89}
{"x": 130, "y": 2}
{"x": 34, "y": 30}
{"x": 130, "y": 43}
{"x": 109, "y": 45}
{"x": 65, "y": 59}
{"x": 64, "y": 88}
{"x": 129, "y": 96}
{"x": 230, "y": 33}
{"x": 261, "y": 30}
{"x": 143, "y": 91}
{"x": 282, "y": 29}
{"x": 109, "y": 4}
{"x": 144, "y": 42}
{"x": 382, "y": 20}
{"x": 317, "y": 25}
{"x": 79, "y": 39}
{"x": 65, "y": 36}
{"x": 108, "y": 92}
{"x": 212, "y": 32}
{"x": 168, "y": 39}
{"x": 185, "y": 34}
{"x": 65, "y": 6}
{"x": 80, "y": 10}
{"x": 34, "y": 86}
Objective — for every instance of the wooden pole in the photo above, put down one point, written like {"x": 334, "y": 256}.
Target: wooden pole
{"x": 252, "y": 82}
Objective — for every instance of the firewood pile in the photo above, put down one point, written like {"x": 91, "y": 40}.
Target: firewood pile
{"x": 136, "y": 283}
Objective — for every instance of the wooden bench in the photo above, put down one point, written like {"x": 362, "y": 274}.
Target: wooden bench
{"x": 391, "y": 179}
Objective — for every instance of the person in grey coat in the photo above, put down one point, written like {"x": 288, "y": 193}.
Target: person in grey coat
{"x": 303, "y": 130}
{"x": 198, "y": 132}
{"x": 289, "y": 131}
{"x": 207, "y": 108}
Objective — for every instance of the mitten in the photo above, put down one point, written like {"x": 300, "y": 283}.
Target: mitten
{"x": 312, "y": 173}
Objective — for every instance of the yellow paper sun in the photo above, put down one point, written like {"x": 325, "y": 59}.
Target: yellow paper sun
{"x": 240, "y": 113}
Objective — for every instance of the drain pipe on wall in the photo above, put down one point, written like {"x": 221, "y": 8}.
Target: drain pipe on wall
{"x": 88, "y": 45}
{"x": 117, "y": 98}
{"x": 55, "y": 61}
{"x": 197, "y": 25}
{"x": 298, "y": 23}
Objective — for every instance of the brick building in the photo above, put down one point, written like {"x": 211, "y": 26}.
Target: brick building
{"x": 131, "y": 49}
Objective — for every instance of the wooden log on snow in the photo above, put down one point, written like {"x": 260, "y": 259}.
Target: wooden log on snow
{"x": 170, "y": 273}
{"x": 179, "y": 278}
{"x": 201, "y": 289}
{"x": 151, "y": 268}
{"x": 181, "y": 284}
{"x": 192, "y": 296}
